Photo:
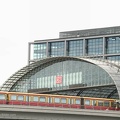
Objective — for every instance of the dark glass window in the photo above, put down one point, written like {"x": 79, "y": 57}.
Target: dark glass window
{"x": 75, "y": 48}
{"x": 114, "y": 58}
{"x": 113, "y": 45}
{"x": 100, "y": 103}
{"x": 106, "y": 103}
{"x": 56, "y": 49}
{"x": 94, "y": 46}
{"x": 94, "y": 102}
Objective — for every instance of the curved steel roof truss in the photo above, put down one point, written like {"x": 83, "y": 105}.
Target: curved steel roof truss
{"x": 111, "y": 68}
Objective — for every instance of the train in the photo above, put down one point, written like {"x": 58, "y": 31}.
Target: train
{"x": 64, "y": 101}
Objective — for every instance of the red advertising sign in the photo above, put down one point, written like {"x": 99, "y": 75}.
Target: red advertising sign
{"x": 58, "y": 79}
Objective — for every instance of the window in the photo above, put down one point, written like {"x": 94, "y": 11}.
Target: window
{"x": 100, "y": 103}
{"x": 49, "y": 100}
{"x": 2, "y": 97}
{"x": 87, "y": 102}
{"x": 71, "y": 101}
{"x": 63, "y": 100}
{"x": 27, "y": 98}
{"x": 106, "y": 103}
{"x": 68, "y": 101}
{"x": 42, "y": 99}
{"x": 13, "y": 97}
{"x": 113, "y": 104}
{"x": 77, "y": 101}
{"x": 35, "y": 98}
{"x": 94, "y": 102}
{"x": 57, "y": 100}
{"x": 21, "y": 98}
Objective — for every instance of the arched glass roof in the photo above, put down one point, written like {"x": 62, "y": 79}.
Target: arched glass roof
{"x": 20, "y": 77}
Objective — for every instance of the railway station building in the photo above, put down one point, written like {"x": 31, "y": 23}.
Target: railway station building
{"x": 78, "y": 63}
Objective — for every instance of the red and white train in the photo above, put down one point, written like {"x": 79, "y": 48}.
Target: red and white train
{"x": 48, "y": 100}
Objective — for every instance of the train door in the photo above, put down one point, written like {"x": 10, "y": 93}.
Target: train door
{"x": 82, "y": 103}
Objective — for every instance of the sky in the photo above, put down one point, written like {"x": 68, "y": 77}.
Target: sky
{"x": 23, "y": 21}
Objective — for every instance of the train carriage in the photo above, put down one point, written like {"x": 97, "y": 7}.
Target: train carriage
{"x": 3, "y": 98}
{"x": 49, "y": 100}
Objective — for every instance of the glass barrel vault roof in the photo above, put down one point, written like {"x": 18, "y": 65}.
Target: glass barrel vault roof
{"x": 20, "y": 78}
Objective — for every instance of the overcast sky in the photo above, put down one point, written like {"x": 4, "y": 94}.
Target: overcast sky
{"x": 23, "y": 21}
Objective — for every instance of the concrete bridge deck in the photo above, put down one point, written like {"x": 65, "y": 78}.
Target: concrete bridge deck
{"x": 19, "y": 112}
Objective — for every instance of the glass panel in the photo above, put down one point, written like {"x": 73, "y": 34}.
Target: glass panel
{"x": 35, "y": 98}
{"x": 94, "y": 102}
{"x": 73, "y": 73}
{"x": 42, "y": 99}
{"x": 20, "y": 97}
{"x": 75, "y": 48}
{"x": 100, "y": 103}
{"x": 63, "y": 100}
{"x": 2, "y": 97}
{"x": 106, "y": 103}
{"x": 56, "y": 49}
{"x": 57, "y": 100}
{"x": 113, "y": 104}
{"x": 68, "y": 101}
{"x": 27, "y": 98}
{"x": 13, "y": 97}
{"x": 49, "y": 100}
{"x": 95, "y": 46}
{"x": 40, "y": 50}
{"x": 112, "y": 45}
{"x": 77, "y": 101}
{"x": 87, "y": 102}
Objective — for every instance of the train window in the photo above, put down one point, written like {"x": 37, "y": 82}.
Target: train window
{"x": 21, "y": 97}
{"x": 42, "y": 99}
{"x": 77, "y": 101}
{"x": 27, "y": 98}
{"x": 35, "y": 98}
{"x": 57, "y": 100}
{"x": 94, "y": 102}
{"x": 71, "y": 101}
{"x": 13, "y": 97}
{"x": 113, "y": 104}
{"x": 87, "y": 102}
{"x": 100, "y": 103}
{"x": 106, "y": 103}
{"x": 49, "y": 100}
{"x": 63, "y": 100}
{"x": 68, "y": 101}
{"x": 2, "y": 97}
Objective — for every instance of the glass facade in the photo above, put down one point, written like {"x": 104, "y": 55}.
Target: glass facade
{"x": 80, "y": 47}
{"x": 113, "y": 45}
{"x": 95, "y": 46}
{"x": 114, "y": 58}
{"x": 75, "y": 48}
{"x": 56, "y": 49}
{"x": 40, "y": 51}
{"x": 63, "y": 75}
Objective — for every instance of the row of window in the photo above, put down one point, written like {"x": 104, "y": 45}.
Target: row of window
{"x": 58, "y": 100}
{"x": 44, "y": 99}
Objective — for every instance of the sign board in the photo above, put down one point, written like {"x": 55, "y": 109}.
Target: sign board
{"x": 58, "y": 79}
